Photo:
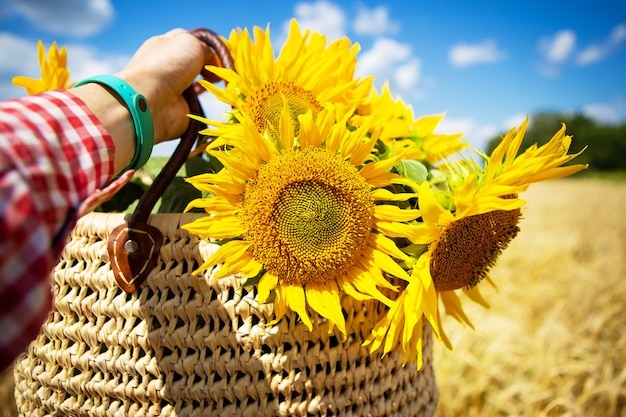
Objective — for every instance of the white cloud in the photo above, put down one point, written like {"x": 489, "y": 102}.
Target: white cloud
{"x": 479, "y": 134}
{"x": 382, "y": 59}
{"x": 514, "y": 121}
{"x": 69, "y": 17}
{"x": 85, "y": 61}
{"x": 618, "y": 34}
{"x": 547, "y": 70}
{"x": 451, "y": 125}
{"x": 18, "y": 55}
{"x": 374, "y": 22}
{"x": 610, "y": 113}
{"x": 321, "y": 16}
{"x": 591, "y": 54}
{"x": 556, "y": 50}
{"x": 596, "y": 52}
{"x": 392, "y": 62}
{"x": 559, "y": 47}
{"x": 407, "y": 75}
{"x": 464, "y": 55}
{"x": 475, "y": 133}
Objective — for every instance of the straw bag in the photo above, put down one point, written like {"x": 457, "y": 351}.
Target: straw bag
{"x": 133, "y": 333}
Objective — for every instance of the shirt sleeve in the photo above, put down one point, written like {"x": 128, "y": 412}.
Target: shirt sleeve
{"x": 54, "y": 153}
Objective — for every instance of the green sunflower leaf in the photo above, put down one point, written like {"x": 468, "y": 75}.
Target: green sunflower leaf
{"x": 413, "y": 170}
{"x": 177, "y": 195}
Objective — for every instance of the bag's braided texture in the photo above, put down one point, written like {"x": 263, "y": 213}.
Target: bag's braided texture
{"x": 184, "y": 345}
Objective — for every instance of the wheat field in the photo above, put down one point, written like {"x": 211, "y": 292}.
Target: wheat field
{"x": 553, "y": 342}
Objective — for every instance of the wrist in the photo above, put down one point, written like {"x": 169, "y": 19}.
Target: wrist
{"x": 169, "y": 108}
{"x": 142, "y": 83}
{"x": 114, "y": 118}
{"x": 139, "y": 110}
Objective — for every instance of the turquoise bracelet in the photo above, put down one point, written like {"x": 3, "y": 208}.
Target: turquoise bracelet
{"x": 139, "y": 111}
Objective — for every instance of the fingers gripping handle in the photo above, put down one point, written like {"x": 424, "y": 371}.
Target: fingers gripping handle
{"x": 134, "y": 245}
{"x": 222, "y": 54}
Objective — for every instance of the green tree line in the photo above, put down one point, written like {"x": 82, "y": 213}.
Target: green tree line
{"x": 606, "y": 144}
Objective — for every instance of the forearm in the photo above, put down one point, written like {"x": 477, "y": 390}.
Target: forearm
{"x": 55, "y": 154}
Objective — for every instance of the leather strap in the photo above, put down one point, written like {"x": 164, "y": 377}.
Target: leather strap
{"x": 134, "y": 246}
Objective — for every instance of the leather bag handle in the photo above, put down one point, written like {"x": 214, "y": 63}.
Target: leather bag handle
{"x": 134, "y": 246}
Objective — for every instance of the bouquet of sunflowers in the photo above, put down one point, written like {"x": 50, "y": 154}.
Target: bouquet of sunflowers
{"x": 332, "y": 194}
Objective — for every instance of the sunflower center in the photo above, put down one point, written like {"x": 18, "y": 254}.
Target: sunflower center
{"x": 308, "y": 215}
{"x": 266, "y": 104}
{"x": 470, "y": 246}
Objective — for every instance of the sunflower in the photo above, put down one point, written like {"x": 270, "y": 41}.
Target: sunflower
{"x": 466, "y": 228}
{"x": 403, "y": 133}
{"x": 306, "y": 75}
{"x": 54, "y": 72}
{"x": 482, "y": 215}
{"x": 307, "y": 217}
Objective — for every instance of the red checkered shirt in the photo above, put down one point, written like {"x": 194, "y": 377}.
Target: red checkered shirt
{"x": 54, "y": 153}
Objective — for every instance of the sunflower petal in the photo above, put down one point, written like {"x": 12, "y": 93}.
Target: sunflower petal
{"x": 383, "y": 194}
{"x": 295, "y": 299}
{"x": 475, "y": 295}
{"x": 383, "y": 243}
{"x": 241, "y": 263}
{"x": 216, "y": 227}
{"x": 453, "y": 307}
{"x": 251, "y": 269}
{"x": 345, "y": 282}
{"x": 387, "y": 264}
{"x": 267, "y": 283}
{"x": 324, "y": 299}
{"x": 280, "y": 305}
{"x": 229, "y": 250}
{"x": 394, "y": 213}
{"x": 432, "y": 212}
{"x": 366, "y": 282}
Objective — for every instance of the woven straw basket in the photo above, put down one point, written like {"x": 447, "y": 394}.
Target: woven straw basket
{"x": 191, "y": 346}
{"x": 179, "y": 344}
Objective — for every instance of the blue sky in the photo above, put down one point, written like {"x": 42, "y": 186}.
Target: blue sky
{"x": 486, "y": 64}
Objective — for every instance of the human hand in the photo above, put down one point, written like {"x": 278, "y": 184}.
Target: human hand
{"x": 161, "y": 69}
